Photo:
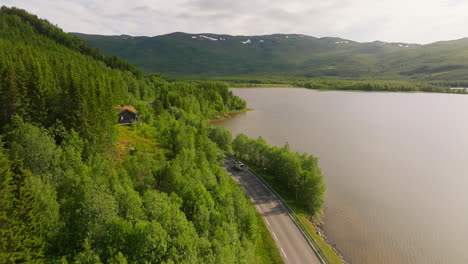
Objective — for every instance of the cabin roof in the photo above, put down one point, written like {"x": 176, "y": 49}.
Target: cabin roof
{"x": 127, "y": 107}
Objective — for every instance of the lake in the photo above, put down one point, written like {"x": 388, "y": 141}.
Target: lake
{"x": 395, "y": 164}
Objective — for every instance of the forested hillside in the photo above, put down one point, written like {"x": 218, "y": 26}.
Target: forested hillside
{"x": 286, "y": 55}
{"x": 77, "y": 188}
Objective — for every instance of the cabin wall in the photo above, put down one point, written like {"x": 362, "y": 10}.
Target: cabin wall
{"x": 127, "y": 117}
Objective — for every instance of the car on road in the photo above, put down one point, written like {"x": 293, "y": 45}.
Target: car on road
{"x": 239, "y": 165}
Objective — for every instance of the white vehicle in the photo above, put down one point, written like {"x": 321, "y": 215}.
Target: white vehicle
{"x": 239, "y": 165}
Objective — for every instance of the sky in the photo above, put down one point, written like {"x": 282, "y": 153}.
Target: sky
{"x": 410, "y": 21}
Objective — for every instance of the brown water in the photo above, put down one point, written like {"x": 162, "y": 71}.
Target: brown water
{"x": 396, "y": 166}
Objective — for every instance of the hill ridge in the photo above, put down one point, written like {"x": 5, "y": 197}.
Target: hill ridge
{"x": 293, "y": 55}
{"x": 255, "y": 36}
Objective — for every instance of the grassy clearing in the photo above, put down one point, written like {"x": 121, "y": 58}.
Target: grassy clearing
{"x": 288, "y": 198}
{"x": 130, "y": 140}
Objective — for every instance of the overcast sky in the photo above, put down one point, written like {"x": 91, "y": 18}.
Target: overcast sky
{"x": 415, "y": 21}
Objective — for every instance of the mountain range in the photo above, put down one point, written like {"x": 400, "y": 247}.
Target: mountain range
{"x": 292, "y": 55}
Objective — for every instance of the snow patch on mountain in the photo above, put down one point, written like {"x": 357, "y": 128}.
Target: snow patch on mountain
{"x": 210, "y": 38}
{"x": 246, "y": 42}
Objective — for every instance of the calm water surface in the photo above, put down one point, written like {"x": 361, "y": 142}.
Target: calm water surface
{"x": 396, "y": 166}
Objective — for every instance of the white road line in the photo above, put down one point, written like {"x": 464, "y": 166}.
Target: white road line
{"x": 276, "y": 199}
{"x": 274, "y": 235}
{"x": 284, "y": 253}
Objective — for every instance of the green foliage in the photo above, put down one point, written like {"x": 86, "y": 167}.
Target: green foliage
{"x": 385, "y": 86}
{"x": 34, "y": 145}
{"x": 299, "y": 173}
{"x": 43, "y": 81}
{"x": 20, "y": 240}
{"x": 87, "y": 256}
{"x": 221, "y": 136}
{"x": 45, "y": 28}
{"x": 204, "y": 99}
{"x": 93, "y": 209}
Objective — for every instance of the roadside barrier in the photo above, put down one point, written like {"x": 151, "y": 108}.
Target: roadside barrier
{"x": 310, "y": 240}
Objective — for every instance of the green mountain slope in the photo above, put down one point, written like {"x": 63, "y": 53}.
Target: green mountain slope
{"x": 77, "y": 188}
{"x": 292, "y": 55}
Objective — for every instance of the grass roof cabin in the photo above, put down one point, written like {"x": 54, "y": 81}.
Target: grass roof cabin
{"x": 127, "y": 115}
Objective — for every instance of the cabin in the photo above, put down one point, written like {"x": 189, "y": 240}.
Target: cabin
{"x": 128, "y": 114}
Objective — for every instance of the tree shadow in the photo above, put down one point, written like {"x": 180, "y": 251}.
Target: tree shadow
{"x": 276, "y": 210}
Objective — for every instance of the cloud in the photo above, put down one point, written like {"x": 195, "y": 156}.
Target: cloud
{"x": 416, "y": 21}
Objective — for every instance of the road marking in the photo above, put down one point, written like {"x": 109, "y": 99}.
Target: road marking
{"x": 274, "y": 235}
{"x": 284, "y": 253}
{"x": 276, "y": 199}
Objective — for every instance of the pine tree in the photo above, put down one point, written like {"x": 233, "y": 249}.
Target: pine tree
{"x": 20, "y": 240}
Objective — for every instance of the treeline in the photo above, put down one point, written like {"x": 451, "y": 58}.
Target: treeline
{"x": 253, "y": 81}
{"x": 45, "y": 28}
{"x": 451, "y": 83}
{"x": 299, "y": 173}
{"x": 205, "y": 99}
{"x": 70, "y": 194}
{"x": 334, "y": 83}
{"x": 375, "y": 85}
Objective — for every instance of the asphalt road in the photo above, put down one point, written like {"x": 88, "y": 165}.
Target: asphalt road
{"x": 293, "y": 246}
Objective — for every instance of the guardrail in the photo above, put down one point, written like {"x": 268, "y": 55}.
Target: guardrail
{"x": 310, "y": 240}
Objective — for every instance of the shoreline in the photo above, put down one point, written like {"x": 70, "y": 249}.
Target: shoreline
{"x": 347, "y": 90}
{"x": 322, "y": 234}
{"x": 316, "y": 229}
{"x": 229, "y": 116}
